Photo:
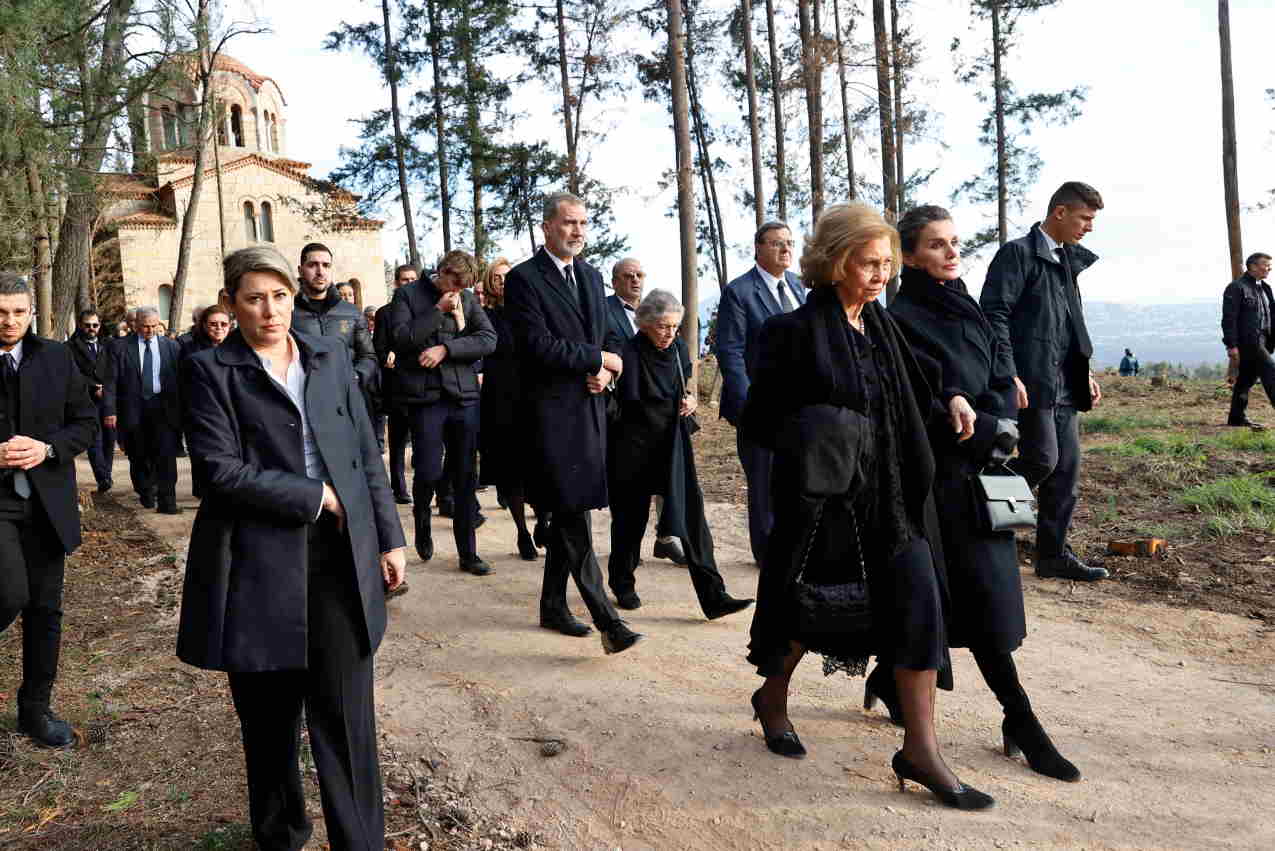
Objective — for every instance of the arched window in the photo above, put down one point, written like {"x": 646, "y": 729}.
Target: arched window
{"x": 249, "y": 221}
{"x": 166, "y": 304}
{"x": 267, "y": 222}
{"x": 236, "y": 124}
{"x": 256, "y": 128}
{"x": 221, "y": 128}
{"x": 170, "y": 128}
{"x": 274, "y": 133}
{"x": 185, "y": 120}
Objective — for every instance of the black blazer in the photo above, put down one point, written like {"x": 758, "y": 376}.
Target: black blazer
{"x": 54, "y": 407}
{"x": 619, "y": 331}
{"x": 96, "y": 369}
{"x": 244, "y": 599}
{"x": 122, "y": 397}
{"x": 560, "y": 341}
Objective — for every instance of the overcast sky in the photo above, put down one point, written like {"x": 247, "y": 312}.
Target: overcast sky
{"x": 1149, "y": 138}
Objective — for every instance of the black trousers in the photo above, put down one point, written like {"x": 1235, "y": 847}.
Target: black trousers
{"x": 337, "y": 694}
{"x": 453, "y": 427}
{"x": 399, "y": 431}
{"x": 570, "y": 554}
{"x": 31, "y": 571}
{"x": 152, "y": 454}
{"x": 1049, "y": 458}
{"x": 629, "y": 515}
{"x": 756, "y": 461}
{"x": 102, "y": 452}
{"x": 1255, "y": 363}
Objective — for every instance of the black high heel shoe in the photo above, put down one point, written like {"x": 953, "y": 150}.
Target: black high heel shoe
{"x": 786, "y": 743}
{"x": 873, "y": 691}
{"x": 962, "y": 797}
{"x": 1023, "y": 734}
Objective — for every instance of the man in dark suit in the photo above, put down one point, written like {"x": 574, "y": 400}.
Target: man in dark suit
{"x": 747, "y": 302}
{"x": 143, "y": 402}
{"x": 555, "y": 305}
{"x": 1248, "y": 332}
{"x": 398, "y": 431}
{"x": 46, "y": 419}
{"x": 89, "y": 348}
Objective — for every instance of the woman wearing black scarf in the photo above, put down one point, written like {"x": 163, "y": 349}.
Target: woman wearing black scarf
{"x": 954, "y": 344}
{"x": 838, "y": 397}
{"x": 649, "y": 452}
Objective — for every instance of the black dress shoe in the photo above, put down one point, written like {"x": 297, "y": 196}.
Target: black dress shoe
{"x": 628, "y": 600}
{"x": 619, "y": 638}
{"x": 671, "y": 550}
{"x": 1068, "y": 566}
{"x": 147, "y": 501}
{"x": 424, "y": 536}
{"x": 526, "y": 547}
{"x": 565, "y": 623}
{"x": 402, "y": 499}
{"x": 726, "y": 605}
{"x": 1023, "y": 734}
{"x": 960, "y": 797}
{"x": 476, "y": 566}
{"x": 1246, "y": 423}
{"x": 169, "y": 509}
{"x": 45, "y": 728}
{"x": 786, "y": 743}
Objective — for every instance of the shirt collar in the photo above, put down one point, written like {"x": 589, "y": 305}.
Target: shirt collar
{"x": 16, "y": 351}
{"x": 1051, "y": 245}
{"x": 561, "y": 264}
{"x": 771, "y": 280}
{"x": 294, "y": 353}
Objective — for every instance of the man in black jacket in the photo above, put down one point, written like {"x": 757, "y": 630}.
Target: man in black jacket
{"x": 1247, "y": 311}
{"x": 399, "y": 430}
{"x": 46, "y": 419}
{"x": 1032, "y": 300}
{"x": 321, "y": 311}
{"x": 438, "y": 334}
{"x": 89, "y": 348}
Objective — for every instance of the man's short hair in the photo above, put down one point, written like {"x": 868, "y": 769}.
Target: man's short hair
{"x": 369, "y": 311}
{"x": 621, "y": 263}
{"x": 1254, "y": 258}
{"x": 554, "y": 199}
{"x": 314, "y": 246}
{"x": 84, "y": 314}
{"x": 1073, "y": 193}
{"x": 461, "y": 262}
{"x": 146, "y": 310}
{"x": 766, "y": 228}
{"x": 406, "y": 267}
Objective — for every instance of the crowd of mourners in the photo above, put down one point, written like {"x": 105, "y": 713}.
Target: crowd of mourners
{"x": 880, "y": 448}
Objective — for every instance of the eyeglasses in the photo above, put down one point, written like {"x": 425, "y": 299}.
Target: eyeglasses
{"x": 779, "y": 243}
{"x": 92, "y": 324}
{"x": 666, "y": 329}
{"x": 218, "y": 324}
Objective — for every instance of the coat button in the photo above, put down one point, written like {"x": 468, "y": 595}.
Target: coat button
{"x": 340, "y": 412}
{"x": 356, "y": 464}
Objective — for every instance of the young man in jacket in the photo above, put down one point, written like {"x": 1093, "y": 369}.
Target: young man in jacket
{"x": 321, "y": 311}
{"x": 1032, "y": 301}
{"x": 1247, "y": 311}
{"x": 438, "y": 333}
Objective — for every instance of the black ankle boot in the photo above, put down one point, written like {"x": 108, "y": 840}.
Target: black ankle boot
{"x": 43, "y": 727}
{"x": 1023, "y": 734}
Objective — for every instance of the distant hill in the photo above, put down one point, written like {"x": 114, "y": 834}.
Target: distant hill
{"x": 1189, "y": 334}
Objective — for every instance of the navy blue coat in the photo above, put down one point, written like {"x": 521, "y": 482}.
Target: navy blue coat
{"x": 619, "y": 330}
{"x": 745, "y": 306}
{"x": 244, "y": 598}
{"x": 122, "y": 395}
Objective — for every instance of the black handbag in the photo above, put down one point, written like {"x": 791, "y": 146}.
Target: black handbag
{"x": 1003, "y": 501}
{"x": 828, "y": 618}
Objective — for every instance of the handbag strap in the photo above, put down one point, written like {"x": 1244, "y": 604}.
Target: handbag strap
{"x": 677, "y": 358}
{"x": 810, "y": 543}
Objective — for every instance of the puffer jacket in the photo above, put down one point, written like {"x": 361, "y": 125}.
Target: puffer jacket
{"x": 416, "y": 324}
{"x": 335, "y": 317}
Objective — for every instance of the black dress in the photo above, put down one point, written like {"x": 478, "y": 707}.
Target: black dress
{"x": 953, "y": 342}
{"x": 502, "y": 450}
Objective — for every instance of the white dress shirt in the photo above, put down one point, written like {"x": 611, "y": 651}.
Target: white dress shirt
{"x": 561, "y": 265}
{"x": 774, "y": 284}
{"x": 294, "y": 386}
{"x": 142, "y": 342}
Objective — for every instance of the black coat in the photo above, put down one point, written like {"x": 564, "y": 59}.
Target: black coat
{"x": 1038, "y": 319}
{"x": 244, "y": 598}
{"x": 122, "y": 397}
{"x": 560, "y": 340}
{"x": 1241, "y": 323}
{"x": 416, "y": 324}
{"x": 336, "y": 317}
{"x": 54, "y": 407}
{"x": 95, "y": 369}
{"x": 954, "y": 343}
{"x": 502, "y": 447}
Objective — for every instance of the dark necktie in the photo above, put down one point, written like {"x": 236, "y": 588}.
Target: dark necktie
{"x": 785, "y": 303}
{"x": 93, "y": 348}
{"x": 571, "y": 282}
{"x": 148, "y": 371}
{"x": 21, "y": 486}
{"x": 10, "y": 372}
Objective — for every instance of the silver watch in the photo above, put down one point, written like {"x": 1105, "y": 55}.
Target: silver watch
{"x": 49, "y": 454}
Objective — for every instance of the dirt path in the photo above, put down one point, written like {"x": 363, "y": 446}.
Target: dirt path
{"x": 1163, "y": 709}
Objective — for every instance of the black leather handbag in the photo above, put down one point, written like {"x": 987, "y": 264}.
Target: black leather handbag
{"x": 1003, "y": 501}
{"x": 830, "y": 617}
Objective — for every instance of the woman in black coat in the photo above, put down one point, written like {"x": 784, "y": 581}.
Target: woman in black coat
{"x": 649, "y": 452}
{"x": 293, "y": 548}
{"x": 500, "y": 440}
{"x": 954, "y": 343}
{"x": 840, "y": 400}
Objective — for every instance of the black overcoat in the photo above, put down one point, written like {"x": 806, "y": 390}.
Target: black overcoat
{"x": 500, "y": 443}
{"x": 95, "y": 369}
{"x": 54, "y": 407}
{"x": 1241, "y": 314}
{"x": 122, "y": 396}
{"x": 244, "y": 599}
{"x": 954, "y": 344}
{"x": 561, "y": 341}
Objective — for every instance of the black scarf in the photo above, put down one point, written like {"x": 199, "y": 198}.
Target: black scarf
{"x": 657, "y": 376}
{"x": 950, "y": 297}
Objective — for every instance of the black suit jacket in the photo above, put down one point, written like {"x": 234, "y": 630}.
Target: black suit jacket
{"x": 54, "y": 407}
{"x": 619, "y": 331}
{"x": 96, "y": 369}
{"x": 123, "y": 395}
{"x": 244, "y": 599}
{"x": 560, "y": 341}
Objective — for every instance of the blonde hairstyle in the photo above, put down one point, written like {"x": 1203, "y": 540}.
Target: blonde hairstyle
{"x": 255, "y": 258}
{"x": 842, "y": 230}
{"x": 493, "y": 298}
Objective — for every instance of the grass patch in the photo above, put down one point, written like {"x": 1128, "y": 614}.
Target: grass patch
{"x": 1248, "y": 441}
{"x": 1235, "y": 504}
{"x": 1173, "y": 446}
{"x": 1119, "y": 423}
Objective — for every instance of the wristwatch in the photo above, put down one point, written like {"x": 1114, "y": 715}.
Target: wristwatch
{"x": 49, "y": 454}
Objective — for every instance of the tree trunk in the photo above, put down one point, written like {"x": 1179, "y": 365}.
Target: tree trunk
{"x": 900, "y": 178}
{"x": 391, "y": 75}
{"x": 812, "y": 76}
{"x": 440, "y": 126}
{"x": 885, "y": 108}
{"x": 472, "y": 132}
{"x": 776, "y": 93}
{"x": 573, "y": 169}
{"x": 207, "y": 60}
{"x": 43, "y": 256}
{"x": 1230, "y": 167}
{"x": 1002, "y": 164}
{"x": 713, "y": 209}
{"x": 754, "y": 134}
{"x": 846, "y": 133}
{"x": 685, "y": 188}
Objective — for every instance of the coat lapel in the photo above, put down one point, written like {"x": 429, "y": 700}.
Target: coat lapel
{"x": 556, "y": 284}
{"x": 764, "y": 295}
{"x": 134, "y": 359}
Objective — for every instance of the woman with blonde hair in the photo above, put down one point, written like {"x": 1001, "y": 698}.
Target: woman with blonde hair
{"x": 838, "y": 397}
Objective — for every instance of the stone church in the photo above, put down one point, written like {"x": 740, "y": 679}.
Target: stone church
{"x": 264, "y": 197}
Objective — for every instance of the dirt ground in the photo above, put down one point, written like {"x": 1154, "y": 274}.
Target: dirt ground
{"x": 1160, "y": 691}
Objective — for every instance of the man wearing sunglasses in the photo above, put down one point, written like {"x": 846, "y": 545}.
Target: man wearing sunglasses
{"x": 89, "y": 348}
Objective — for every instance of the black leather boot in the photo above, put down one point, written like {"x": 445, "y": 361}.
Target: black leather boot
{"x": 1023, "y": 733}
{"x": 39, "y": 723}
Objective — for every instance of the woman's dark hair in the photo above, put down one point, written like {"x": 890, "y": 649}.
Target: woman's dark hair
{"x": 214, "y": 310}
{"x": 915, "y": 220}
